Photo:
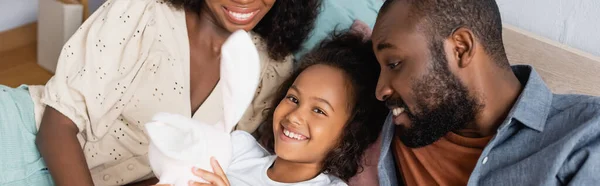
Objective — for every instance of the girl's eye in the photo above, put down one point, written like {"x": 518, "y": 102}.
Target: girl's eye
{"x": 292, "y": 99}
{"x": 319, "y": 111}
{"x": 393, "y": 65}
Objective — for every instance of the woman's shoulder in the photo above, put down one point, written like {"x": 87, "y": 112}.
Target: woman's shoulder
{"x": 121, "y": 18}
{"x": 125, "y": 7}
{"x": 134, "y": 12}
{"x": 132, "y": 3}
{"x": 125, "y": 29}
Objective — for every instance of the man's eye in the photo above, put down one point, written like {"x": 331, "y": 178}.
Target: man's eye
{"x": 393, "y": 65}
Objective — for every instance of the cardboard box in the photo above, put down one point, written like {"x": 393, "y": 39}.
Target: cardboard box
{"x": 57, "y": 22}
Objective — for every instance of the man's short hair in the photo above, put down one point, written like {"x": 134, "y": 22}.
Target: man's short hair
{"x": 442, "y": 17}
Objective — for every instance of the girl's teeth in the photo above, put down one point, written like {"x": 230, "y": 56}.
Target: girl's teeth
{"x": 292, "y": 135}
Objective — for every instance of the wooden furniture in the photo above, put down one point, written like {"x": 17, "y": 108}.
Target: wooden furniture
{"x": 18, "y": 57}
{"x": 18, "y": 37}
{"x": 564, "y": 69}
{"x": 86, "y": 9}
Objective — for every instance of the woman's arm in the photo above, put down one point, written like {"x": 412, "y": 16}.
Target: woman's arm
{"x": 58, "y": 145}
{"x": 79, "y": 93}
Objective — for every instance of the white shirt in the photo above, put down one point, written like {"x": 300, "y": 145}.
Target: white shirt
{"x": 251, "y": 161}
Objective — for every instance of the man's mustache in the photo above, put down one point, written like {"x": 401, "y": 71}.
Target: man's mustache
{"x": 395, "y": 102}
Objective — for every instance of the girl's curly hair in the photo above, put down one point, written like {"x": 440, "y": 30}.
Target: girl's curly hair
{"x": 284, "y": 28}
{"x": 350, "y": 53}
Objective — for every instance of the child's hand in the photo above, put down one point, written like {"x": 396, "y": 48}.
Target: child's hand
{"x": 218, "y": 178}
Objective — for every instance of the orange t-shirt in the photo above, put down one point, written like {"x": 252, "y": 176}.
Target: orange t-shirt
{"x": 449, "y": 161}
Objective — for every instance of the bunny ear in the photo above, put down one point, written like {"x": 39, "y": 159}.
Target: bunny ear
{"x": 240, "y": 73}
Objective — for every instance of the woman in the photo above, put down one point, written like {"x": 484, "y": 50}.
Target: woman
{"x": 129, "y": 60}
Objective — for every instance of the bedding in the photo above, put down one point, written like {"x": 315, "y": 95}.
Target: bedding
{"x": 339, "y": 15}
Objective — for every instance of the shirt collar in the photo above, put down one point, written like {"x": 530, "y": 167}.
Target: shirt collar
{"x": 533, "y": 105}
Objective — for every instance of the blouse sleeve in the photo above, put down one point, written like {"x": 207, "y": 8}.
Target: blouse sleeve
{"x": 98, "y": 63}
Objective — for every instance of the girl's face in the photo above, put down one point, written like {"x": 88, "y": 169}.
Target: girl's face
{"x": 308, "y": 122}
{"x": 233, "y": 15}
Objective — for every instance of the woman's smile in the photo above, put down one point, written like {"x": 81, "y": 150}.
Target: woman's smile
{"x": 240, "y": 16}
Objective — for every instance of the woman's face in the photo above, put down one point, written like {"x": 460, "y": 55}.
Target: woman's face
{"x": 308, "y": 122}
{"x": 238, "y": 14}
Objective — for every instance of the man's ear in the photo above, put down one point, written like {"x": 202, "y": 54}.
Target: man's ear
{"x": 463, "y": 41}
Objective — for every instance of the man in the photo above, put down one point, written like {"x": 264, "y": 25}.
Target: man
{"x": 461, "y": 115}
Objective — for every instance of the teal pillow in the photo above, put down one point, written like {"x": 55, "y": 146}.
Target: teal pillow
{"x": 339, "y": 14}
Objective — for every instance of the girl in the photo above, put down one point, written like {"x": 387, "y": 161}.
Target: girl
{"x": 324, "y": 117}
{"x": 128, "y": 61}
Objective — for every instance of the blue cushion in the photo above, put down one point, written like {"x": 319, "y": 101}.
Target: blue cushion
{"x": 340, "y": 14}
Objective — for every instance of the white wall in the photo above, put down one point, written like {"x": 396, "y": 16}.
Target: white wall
{"x": 572, "y": 22}
{"x": 15, "y": 13}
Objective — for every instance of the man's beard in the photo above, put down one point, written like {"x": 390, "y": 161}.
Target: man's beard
{"x": 443, "y": 104}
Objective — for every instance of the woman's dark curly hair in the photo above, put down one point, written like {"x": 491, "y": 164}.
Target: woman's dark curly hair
{"x": 350, "y": 53}
{"x": 284, "y": 28}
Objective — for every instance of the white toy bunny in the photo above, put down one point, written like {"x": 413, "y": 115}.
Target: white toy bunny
{"x": 178, "y": 143}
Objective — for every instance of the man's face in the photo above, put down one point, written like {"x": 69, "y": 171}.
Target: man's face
{"x": 426, "y": 98}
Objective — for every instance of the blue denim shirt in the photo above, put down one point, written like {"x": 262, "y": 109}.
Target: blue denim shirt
{"x": 547, "y": 139}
